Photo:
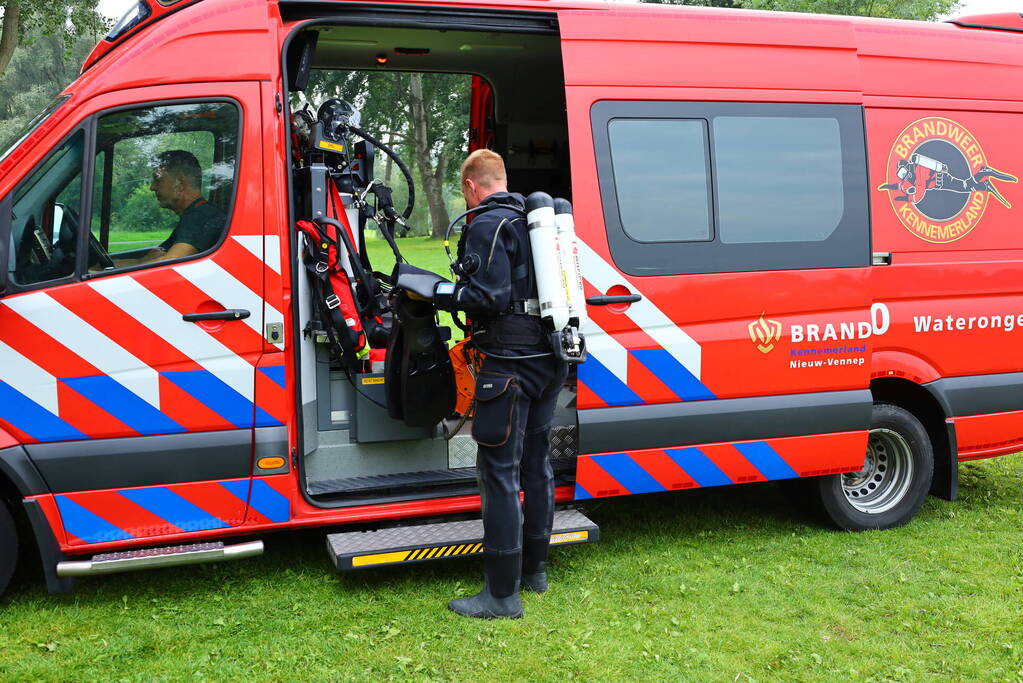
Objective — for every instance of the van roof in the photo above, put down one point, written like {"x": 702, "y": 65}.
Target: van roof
{"x": 991, "y": 38}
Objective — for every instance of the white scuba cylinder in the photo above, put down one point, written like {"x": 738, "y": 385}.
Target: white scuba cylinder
{"x": 570, "y": 261}
{"x": 547, "y": 269}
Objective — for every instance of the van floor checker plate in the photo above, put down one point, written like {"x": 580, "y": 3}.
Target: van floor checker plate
{"x": 420, "y": 543}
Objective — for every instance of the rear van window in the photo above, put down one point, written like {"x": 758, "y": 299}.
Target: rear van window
{"x": 691, "y": 187}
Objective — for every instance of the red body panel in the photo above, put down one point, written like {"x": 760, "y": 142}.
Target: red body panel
{"x": 900, "y": 72}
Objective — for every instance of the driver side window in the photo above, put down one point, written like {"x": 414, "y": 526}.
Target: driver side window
{"x": 45, "y": 217}
{"x": 164, "y": 181}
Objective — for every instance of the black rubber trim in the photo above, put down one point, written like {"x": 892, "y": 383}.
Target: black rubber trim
{"x": 16, "y": 466}
{"x": 665, "y": 425}
{"x": 49, "y": 550}
{"x": 945, "y": 484}
{"x": 418, "y": 16}
{"x": 143, "y": 460}
{"x": 991, "y": 27}
{"x": 979, "y": 394}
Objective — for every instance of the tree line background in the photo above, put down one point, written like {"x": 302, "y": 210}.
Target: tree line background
{"x": 423, "y": 117}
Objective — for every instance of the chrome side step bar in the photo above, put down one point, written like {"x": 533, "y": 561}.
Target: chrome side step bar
{"x": 151, "y": 558}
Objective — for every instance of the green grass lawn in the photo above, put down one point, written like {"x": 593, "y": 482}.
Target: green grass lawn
{"x": 721, "y": 584}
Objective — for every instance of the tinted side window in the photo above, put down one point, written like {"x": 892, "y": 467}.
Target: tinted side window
{"x": 663, "y": 158}
{"x": 779, "y": 178}
{"x": 164, "y": 181}
{"x": 45, "y": 217}
{"x": 691, "y": 187}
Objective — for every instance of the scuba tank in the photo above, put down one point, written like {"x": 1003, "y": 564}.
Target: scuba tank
{"x": 570, "y": 261}
{"x": 547, "y": 266}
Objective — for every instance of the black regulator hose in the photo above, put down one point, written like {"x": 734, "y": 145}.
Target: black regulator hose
{"x": 397, "y": 160}
{"x": 452, "y": 224}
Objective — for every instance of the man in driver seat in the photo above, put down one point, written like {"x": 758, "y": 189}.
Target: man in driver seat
{"x": 177, "y": 184}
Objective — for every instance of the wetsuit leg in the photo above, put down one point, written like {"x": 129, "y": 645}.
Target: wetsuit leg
{"x": 537, "y": 475}
{"x": 499, "y": 428}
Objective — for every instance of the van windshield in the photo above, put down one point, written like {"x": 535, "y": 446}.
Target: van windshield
{"x": 9, "y": 139}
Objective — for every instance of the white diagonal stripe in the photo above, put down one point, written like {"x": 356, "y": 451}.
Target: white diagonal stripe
{"x": 272, "y": 253}
{"x": 226, "y": 290}
{"x": 28, "y": 378}
{"x": 165, "y": 322}
{"x": 267, "y": 249}
{"x": 644, "y": 313}
{"x": 607, "y": 350}
{"x": 93, "y": 346}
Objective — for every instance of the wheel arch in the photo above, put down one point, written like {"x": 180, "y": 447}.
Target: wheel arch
{"x": 927, "y": 408}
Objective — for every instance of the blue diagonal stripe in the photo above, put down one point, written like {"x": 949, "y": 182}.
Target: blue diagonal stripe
{"x": 698, "y": 466}
{"x": 581, "y": 493}
{"x": 274, "y": 372}
{"x": 269, "y": 503}
{"x": 675, "y": 376}
{"x": 625, "y": 470}
{"x": 265, "y": 419}
{"x": 28, "y": 416}
{"x": 604, "y": 384}
{"x": 264, "y": 499}
{"x": 216, "y": 395}
{"x": 86, "y": 525}
{"x": 125, "y": 405}
{"x": 168, "y": 505}
{"x": 766, "y": 459}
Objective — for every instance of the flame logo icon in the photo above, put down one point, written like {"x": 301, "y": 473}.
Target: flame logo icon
{"x": 764, "y": 333}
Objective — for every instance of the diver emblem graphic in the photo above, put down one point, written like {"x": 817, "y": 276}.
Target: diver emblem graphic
{"x": 941, "y": 180}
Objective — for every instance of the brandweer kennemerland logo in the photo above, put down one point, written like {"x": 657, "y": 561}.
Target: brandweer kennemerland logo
{"x": 764, "y": 333}
{"x": 940, "y": 181}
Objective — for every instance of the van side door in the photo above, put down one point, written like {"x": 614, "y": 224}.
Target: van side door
{"x": 129, "y": 377}
{"x": 739, "y": 221}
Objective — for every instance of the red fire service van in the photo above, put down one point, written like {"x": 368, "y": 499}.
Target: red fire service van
{"x": 799, "y": 240}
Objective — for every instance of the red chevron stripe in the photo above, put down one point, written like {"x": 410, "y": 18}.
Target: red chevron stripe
{"x": 214, "y": 499}
{"x": 824, "y": 453}
{"x": 585, "y": 398}
{"x": 644, "y": 383}
{"x": 187, "y": 411}
{"x": 184, "y": 297}
{"x": 126, "y": 331}
{"x": 733, "y": 463}
{"x": 270, "y": 396}
{"x": 122, "y": 513}
{"x": 242, "y": 264}
{"x": 283, "y": 484}
{"x": 661, "y": 467}
{"x": 596, "y": 480}
{"x": 87, "y": 417}
{"x": 41, "y": 348}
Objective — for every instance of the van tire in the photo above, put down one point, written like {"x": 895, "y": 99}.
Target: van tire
{"x": 8, "y": 546}
{"x": 895, "y": 478}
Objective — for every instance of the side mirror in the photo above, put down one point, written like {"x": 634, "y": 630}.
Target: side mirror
{"x": 58, "y": 220}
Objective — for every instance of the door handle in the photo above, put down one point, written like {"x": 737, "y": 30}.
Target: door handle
{"x": 604, "y": 299}
{"x": 229, "y": 314}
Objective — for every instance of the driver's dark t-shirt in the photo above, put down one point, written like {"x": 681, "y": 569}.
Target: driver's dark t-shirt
{"x": 199, "y": 225}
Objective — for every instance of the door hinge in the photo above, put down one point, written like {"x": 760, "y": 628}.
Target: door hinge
{"x": 279, "y": 104}
{"x": 275, "y": 333}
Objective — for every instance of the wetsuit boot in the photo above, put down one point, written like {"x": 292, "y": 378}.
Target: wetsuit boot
{"x": 499, "y": 598}
{"x": 534, "y": 564}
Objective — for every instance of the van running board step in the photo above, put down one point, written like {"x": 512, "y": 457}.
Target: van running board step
{"x": 440, "y": 541}
{"x": 151, "y": 558}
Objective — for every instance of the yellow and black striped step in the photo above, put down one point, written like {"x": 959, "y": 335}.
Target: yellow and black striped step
{"x": 424, "y": 542}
